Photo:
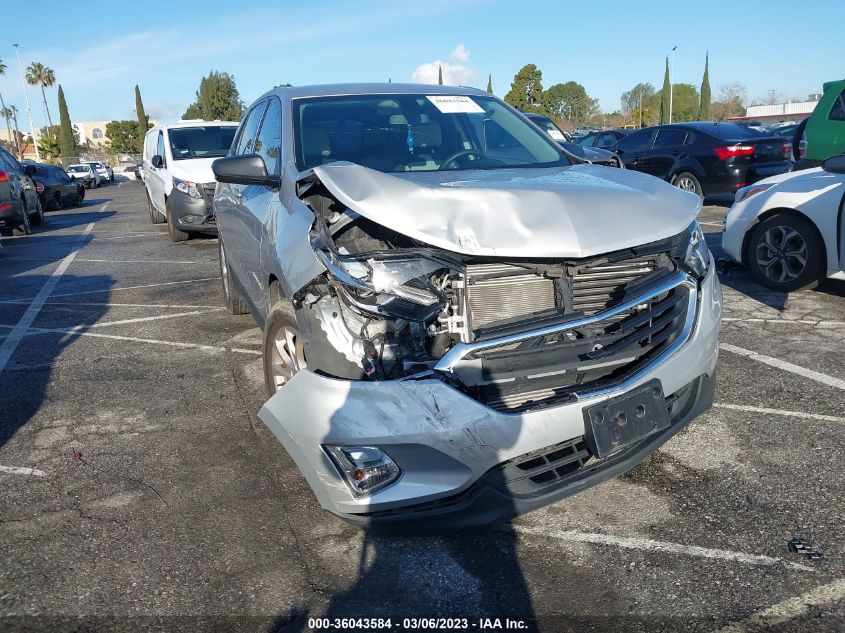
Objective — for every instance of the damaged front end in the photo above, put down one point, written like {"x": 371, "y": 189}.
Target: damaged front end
{"x": 514, "y": 334}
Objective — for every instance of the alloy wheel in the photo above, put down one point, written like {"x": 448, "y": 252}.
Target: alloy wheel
{"x": 287, "y": 355}
{"x": 782, "y": 254}
{"x": 686, "y": 183}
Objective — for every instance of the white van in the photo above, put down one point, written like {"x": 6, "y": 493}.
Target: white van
{"x": 178, "y": 177}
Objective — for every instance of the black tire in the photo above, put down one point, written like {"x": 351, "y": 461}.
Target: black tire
{"x": 688, "y": 182}
{"x": 776, "y": 249}
{"x": 176, "y": 235}
{"x": 89, "y": 183}
{"x": 155, "y": 216}
{"x": 80, "y": 197}
{"x": 37, "y": 218}
{"x": 281, "y": 316}
{"x": 24, "y": 228}
{"x": 231, "y": 297}
{"x": 55, "y": 203}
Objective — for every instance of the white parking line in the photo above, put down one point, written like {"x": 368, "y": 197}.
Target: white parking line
{"x": 790, "y": 414}
{"x": 92, "y": 292}
{"x": 785, "y": 366}
{"x": 20, "y": 470}
{"x": 86, "y": 326}
{"x": 106, "y": 261}
{"x": 574, "y": 536}
{"x": 11, "y": 342}
{"x": 798, "y": 321}
{"x": 719, "y": 224}
{"x": 128, "y": 305}
{"x": 790, "y": 609}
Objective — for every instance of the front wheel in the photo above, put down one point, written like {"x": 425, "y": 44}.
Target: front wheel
{"x": 786, "y": 253}
{"x": 283, "y": 351}
{"x": 155, "y": 216}
{"x": 176, "y": 235}
{"x": 24, "y": 228}
{"x": 688, "y": 182}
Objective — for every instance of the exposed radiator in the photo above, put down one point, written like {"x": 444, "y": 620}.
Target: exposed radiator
{"x": 596, "y": 287}
{"x": 503, "y": 291}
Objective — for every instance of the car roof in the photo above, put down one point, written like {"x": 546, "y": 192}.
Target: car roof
{"x": 194, "y": 123}
{"x": 332, "y": 90}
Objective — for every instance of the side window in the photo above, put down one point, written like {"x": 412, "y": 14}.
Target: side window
{"x": 637, "y": 140}
{"x": 249, "y": 129}
{"x": 837, "y": 112}
{"x": 606, "y": 140}
{"x": 9, "y": 162}
{"x": 160, "y": 146}
{"x": 669, "y": 137}
{"x": 268, "y": 145}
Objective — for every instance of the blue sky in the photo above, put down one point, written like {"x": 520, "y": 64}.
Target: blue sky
{"x": 607, "y": 46}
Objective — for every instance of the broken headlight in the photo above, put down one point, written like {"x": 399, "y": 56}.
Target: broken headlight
{"x": 364, "y": 468}
{"x": 697, "y": 255}
{"x": 397, "y": 286}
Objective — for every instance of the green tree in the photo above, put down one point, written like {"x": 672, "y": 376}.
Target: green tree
{"x": 685, "y": 103}
{"x": 569, "y": 101}
{"x": 217, "y": 99}
{"x": 704, "y": 106}
{"x": 143, "y": 120}
{"x": 440, "y": 75}
{"x": 124, "y": 137}
{"x": 639, "y": 103}
{"x": 526, "y": 91}
{"x": 37, "y": 74}
{"x": 489, "y": 84}
{"x": 67, "y": 142}
{"x": 49, "y": 146}
{"x": 664, "y": 95}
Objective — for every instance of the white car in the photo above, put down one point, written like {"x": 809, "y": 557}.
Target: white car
{"x": 106, "y": 172}
{"x": 86, "y": 172}
{"x": 178, "y": 177}
{"x": 788, "y": 228}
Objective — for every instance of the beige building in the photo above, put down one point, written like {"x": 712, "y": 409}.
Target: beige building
{"x": 92, "y": 132}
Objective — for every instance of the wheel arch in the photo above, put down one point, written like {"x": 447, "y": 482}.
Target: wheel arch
{"x": 765, "y": 215}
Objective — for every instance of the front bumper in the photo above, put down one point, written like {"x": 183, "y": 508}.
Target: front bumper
{"x": 194, "y": 215}
{"x": 452, "y": 449}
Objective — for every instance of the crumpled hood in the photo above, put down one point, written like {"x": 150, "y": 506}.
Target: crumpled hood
{"x": 569, "y": 212}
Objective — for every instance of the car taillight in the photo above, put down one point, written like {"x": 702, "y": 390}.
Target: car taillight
{"x": 4, "y": 177}
{"x": 39, "y": 187}
{"x": 802, "y": 149}
{"x": 730, "y": 151}
{"x": 787, "y": 149}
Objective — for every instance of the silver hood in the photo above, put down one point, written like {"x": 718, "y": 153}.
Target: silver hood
{"x": 569, "y": 212}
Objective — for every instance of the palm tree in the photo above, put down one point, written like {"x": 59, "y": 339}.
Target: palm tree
{"x": 3, "y": 109}
{"x": 37, "y": 74}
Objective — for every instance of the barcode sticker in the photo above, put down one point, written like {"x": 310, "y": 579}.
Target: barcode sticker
{"x": 448, "y": 104}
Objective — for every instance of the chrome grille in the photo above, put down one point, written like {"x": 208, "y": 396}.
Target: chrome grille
{"x": 498, "y": 292}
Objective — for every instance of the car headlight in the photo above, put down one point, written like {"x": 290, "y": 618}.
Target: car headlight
{"x": 751, "y": 190}
{"x": 697, "y": 255}
{"x": 398, "y": 286}
{"x": 187, "y": 187}
{"x": 365, "y": 469}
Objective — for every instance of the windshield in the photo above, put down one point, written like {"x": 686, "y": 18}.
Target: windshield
{"x": 399, "y": 133}
{"x": 77, "y": 169}
{"x": 201, "y": 142}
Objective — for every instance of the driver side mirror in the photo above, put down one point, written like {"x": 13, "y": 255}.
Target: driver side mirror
{"x": 835, "y": 164}
{"x": 157, "y": 161}
{"x": 248, "y": 169}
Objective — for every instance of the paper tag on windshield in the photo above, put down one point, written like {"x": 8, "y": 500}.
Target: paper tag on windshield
{"x": 455, "y": 104}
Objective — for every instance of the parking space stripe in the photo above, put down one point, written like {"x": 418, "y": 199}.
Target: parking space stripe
{"x": 789, "y": 609}
{"x": 20, "y": 470}
{"x": 85, "y": 326}
{"x": 798, "y": 321}
{"x": 106, "y": 261}
{"x": 92, "y": 292}
{"x": 574, "y": 536}
{"x": 128, "y": 305}
{"x": 11, "y": 342}
{"x": 790, "y": 414}
{"x": 785, "y": 366}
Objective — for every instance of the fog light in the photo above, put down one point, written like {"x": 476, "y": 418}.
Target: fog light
{"x": 364, "y": 468}
{"x": 188, "y": 219}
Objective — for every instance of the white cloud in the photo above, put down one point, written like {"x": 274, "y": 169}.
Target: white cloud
{"x": 458, "y": 73}
{"x": 460, "y": 54}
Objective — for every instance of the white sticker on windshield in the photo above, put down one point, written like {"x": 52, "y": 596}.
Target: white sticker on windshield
{"x": 448, "y": 104}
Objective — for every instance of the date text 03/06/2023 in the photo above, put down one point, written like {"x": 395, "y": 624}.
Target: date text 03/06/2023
{"x": 417, "y": 624}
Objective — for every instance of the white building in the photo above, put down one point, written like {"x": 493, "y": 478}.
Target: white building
{"x": 775, "y": 113}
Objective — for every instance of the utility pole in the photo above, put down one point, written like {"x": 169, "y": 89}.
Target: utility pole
{"x": 671, "y": 80}
{"x": 28, "y": 109}
{"x": 14, "y": 110}
{"x": 641, "y": 107}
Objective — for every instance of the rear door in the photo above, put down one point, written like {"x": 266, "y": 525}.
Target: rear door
{"x": 632, "y": 149}
{"x": 666, "y": 151}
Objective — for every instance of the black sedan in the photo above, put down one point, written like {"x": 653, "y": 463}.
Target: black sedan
{"x": 55, "y": 188}
{"x": 592, "y": 155}
{"x": 706, "y": 158}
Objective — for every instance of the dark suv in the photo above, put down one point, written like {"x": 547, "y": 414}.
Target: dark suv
{"x": 55, "y": 188}
{"x": 19, "y": 203}
{"x": 706, "y": 158}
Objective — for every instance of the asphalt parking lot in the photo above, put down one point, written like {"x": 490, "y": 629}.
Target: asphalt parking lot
{"x": 141, "y": 490}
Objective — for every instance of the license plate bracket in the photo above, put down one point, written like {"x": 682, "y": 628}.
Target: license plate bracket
{"x": 624, "y": 420}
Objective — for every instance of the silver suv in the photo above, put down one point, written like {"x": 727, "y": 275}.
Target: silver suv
{"x": 460, "y": 325}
